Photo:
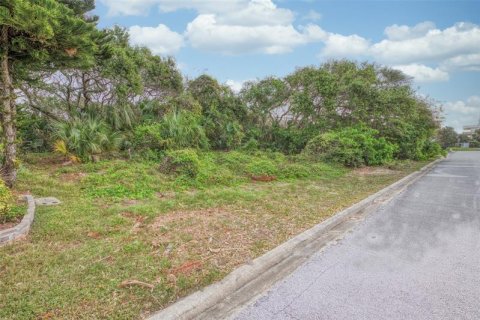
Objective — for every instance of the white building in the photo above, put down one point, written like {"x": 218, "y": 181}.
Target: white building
{"x": 470, "y": 129}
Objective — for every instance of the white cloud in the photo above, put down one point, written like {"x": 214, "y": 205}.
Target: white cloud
{"x": 313, "y": 15}
{"x": 206, "y": 33}
{"x": 399, "y": 33}
{"x": 337, "y": 45}
{"x": 160, "y": 39}
{"x": 258, "y": 13}
{"x": 470, "y": 62}
{"x": 228, "y": 27}
{"x": 423, "y": 73}
{"x": 460, "y": 113}
{"x": 411, "y": 48}
{"x": 435, "y": 45}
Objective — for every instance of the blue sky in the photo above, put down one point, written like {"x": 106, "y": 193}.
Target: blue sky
{"x": 435, "y": 42}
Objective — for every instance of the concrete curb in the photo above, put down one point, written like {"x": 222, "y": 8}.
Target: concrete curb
{"x": 200, "y": 304}
{"x": 21, "y": 229}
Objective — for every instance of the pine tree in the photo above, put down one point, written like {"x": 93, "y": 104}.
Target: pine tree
{"x": 38, "y": 35}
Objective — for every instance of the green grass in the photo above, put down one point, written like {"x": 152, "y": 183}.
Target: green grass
{"x": 122, "y": 220}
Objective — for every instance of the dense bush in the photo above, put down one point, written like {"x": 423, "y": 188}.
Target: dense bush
{"x": 181, "y": 162}
{"x": 175, "y": 131}
{"x": 86, "y": 138}
{"x": 352, "y": 146}
{"x": 431, "y": 149}
{"x": 474, "y": 144}
{"x": 262, "y": 167}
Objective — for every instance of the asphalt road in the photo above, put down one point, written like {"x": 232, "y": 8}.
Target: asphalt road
{"x": 415, "y": 257}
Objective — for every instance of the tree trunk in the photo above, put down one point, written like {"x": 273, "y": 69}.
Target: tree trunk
{"x": 9, "y": 168}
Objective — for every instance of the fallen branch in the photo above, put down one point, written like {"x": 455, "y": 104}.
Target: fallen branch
{"x": 129, "y": 283}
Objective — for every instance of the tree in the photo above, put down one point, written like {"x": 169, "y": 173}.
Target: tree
{"x": 222, "y": 112}
{"x": 285, "y": 113}
{"x": 447, "y": 137}
{"x": 38, "y": 35}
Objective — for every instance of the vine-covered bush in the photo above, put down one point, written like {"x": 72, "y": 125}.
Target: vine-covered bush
{"x": 182, "y": 162}
{"x": 352, "y": 147}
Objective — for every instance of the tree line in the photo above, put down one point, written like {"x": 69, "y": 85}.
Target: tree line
{"x": 85, "y": 92}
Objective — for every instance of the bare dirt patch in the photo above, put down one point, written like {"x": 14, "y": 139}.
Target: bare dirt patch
{"x": 218, "y": 237}
{"x": 73, "y": 176}
{"x": 8, "y": 225}
{"x": 373, "y": 171}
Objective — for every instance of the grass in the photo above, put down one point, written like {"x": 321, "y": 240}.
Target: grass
{"x": 121, "y": 221}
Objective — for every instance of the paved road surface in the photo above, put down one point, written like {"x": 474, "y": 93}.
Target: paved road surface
{"x": 416, "y": 257}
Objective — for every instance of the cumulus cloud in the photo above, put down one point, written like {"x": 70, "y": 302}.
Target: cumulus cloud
{"x": 258, "y": 13}
{"x": 434, "y": 45}
{"x": 337, "y": 45}
{"x": 259, "y": 27}
{"x": 469, "y": 62}
{"x": 160, "y": 39}
{"x": 411, "y": 48}
{"x": 423, "y": 73}
{"x": 399, "y": 33}
{"x": 228, "y": 27}
{"x": 206, "y": 33}
{"x": 460, "y": 113}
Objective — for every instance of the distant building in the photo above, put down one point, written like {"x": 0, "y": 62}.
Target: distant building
{"x": 470, "y": 129}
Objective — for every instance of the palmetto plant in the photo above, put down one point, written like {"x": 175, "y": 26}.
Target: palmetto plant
{"x": 85, "y": 138}
{"x": 182, "y": 130}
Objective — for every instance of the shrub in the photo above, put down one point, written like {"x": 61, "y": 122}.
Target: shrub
{"x": 474, "y": 144}
{"x": 6, "y": 202}
{"x": 250, "y": 146}
{"x": 85, "y": 138}
{"x": 351, "y": 146}
{"x": 261, "y": 167}
{"x": 295, "y": 171}
{"x": 175, "y": 131}
{"x": 431, "y": 150}
{"x": 182, "y": 162}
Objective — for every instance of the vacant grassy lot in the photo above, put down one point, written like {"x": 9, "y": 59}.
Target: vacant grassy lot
{"x": 128, "y": 240}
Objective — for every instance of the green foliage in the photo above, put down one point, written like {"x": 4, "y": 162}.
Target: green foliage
{"x": 86, "y": 138}
{"x": 121, "y": 179}
{"x": 432, "y": 149}
{"x": 184, "y": 163}
{"x": 46, "y": 34}
{"x": 222, "y": 112}
{"x": 288, "y": 112}
{"x": 353, "y": 147}
{"x": 6, "y": 203}
{"x": 262, "y": 167}
{"x": 447, "y": 137}
{"x": 35, "y": 133}
{"x": 250, "y": 146}
{"x": 474, "y": 144}
{"x": 177, "y": 130}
